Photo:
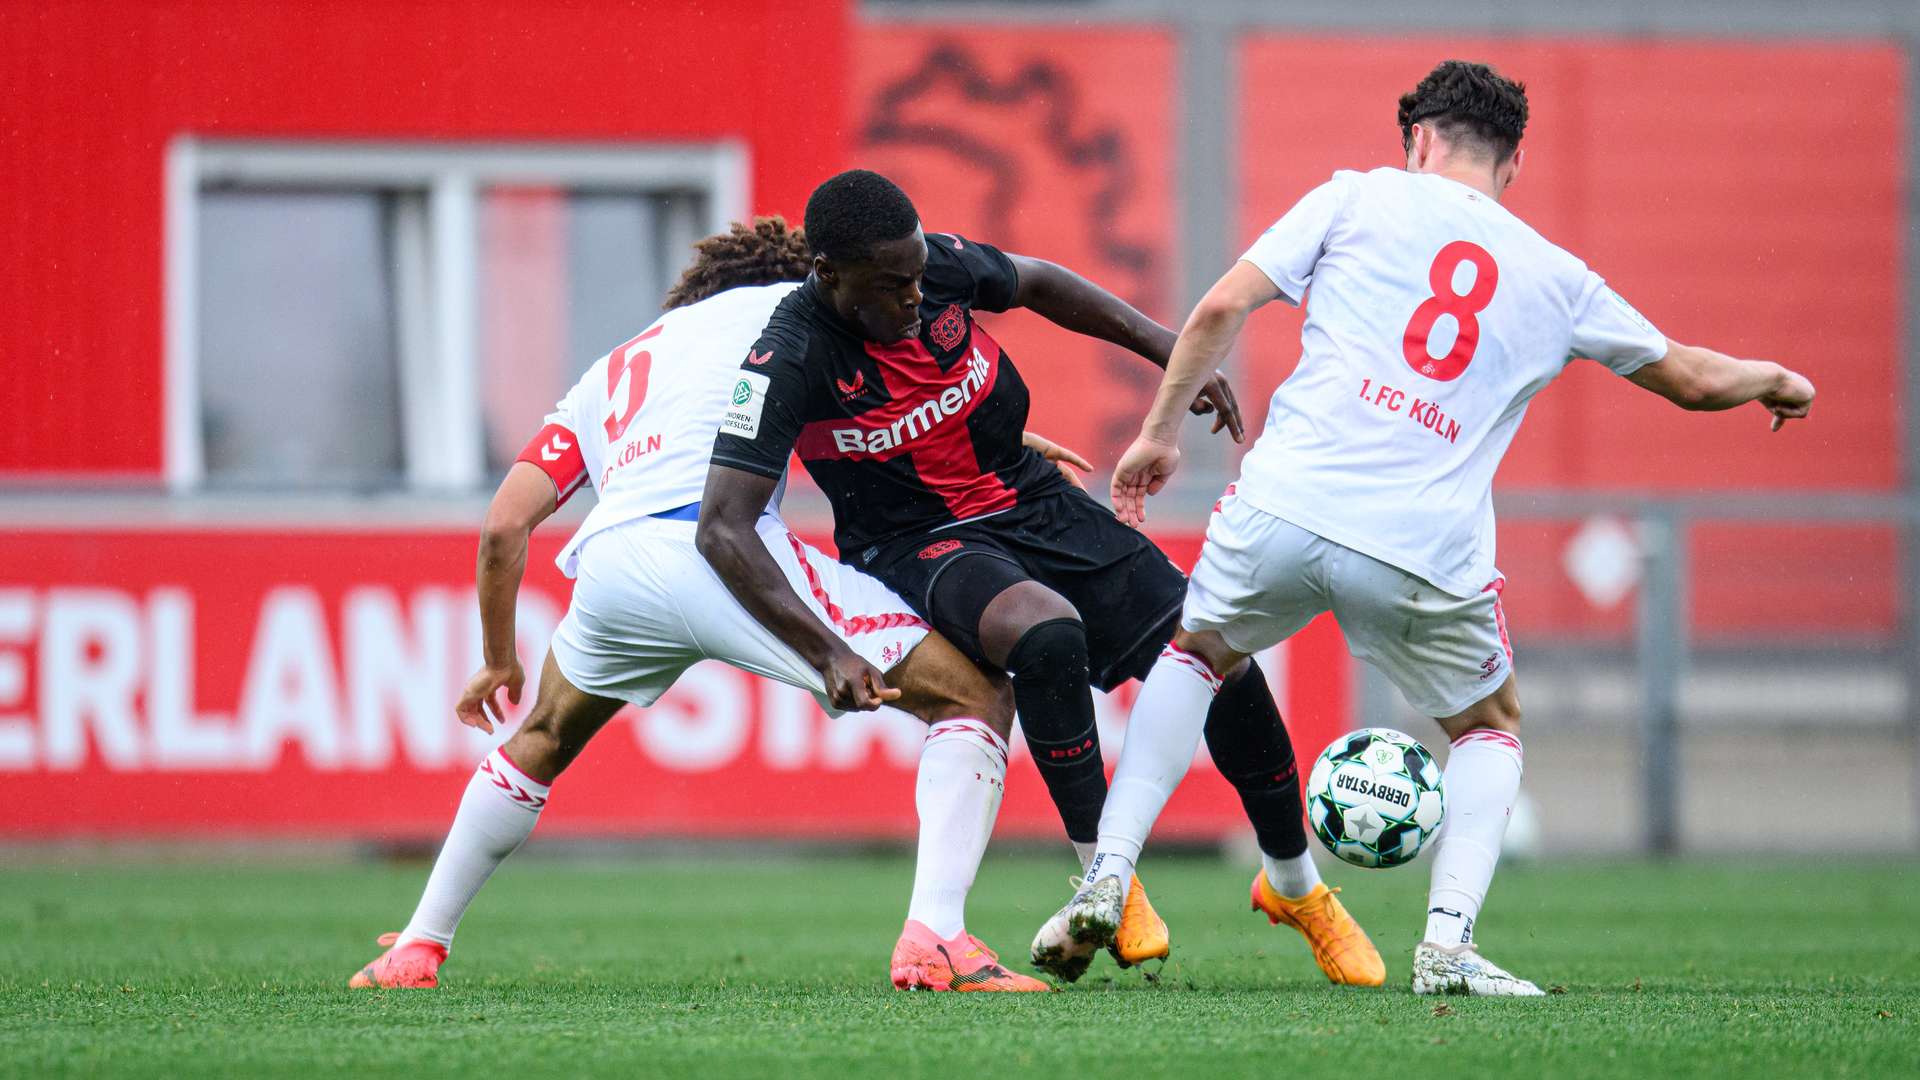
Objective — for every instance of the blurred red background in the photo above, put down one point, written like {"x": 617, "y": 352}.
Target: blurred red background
{"x": 1766, "y": 224}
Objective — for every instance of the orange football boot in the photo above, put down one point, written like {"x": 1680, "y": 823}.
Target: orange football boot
{"x": 923, "y": 960}
{"x": 1339, "y": 946}
{"x": 1143, "y": 933}
{"x": 415, "y": 965}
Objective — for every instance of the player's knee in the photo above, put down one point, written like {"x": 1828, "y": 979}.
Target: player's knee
{"x": 1014, "y": 613}
{"x": 1052, "y": 645}
{"x": 1210, "y": 647}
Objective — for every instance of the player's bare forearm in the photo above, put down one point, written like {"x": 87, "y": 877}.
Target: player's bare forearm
{"x": 525, "y": 498}
{"x": 1204, "y": 343}
{"x": 1201, "y": 348}
{"x": 502, "y": 566}
{"x": 1702, "y": 380}
{"x": 726, "y": 538}
{"x": 1071, "y": 302}
{"x": 1147, "y": 465}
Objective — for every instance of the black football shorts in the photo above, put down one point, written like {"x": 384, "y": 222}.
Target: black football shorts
{"x": 1127, "y": 591}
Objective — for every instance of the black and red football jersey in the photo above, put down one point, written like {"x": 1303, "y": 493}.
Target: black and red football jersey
{"x": 905, "y": 437}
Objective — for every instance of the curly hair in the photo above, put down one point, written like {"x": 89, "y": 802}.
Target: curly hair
{"x": 1469, "y": 104}
{"x": 764, "y": 253}
{"x": 852, "y": 211}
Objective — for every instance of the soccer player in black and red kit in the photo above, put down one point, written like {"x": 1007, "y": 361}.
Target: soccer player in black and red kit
{"x": 909, "y": 416}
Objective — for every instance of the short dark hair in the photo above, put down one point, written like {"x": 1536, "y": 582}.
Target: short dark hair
{"x": 853, "y": 211}
{"x": 1468, "y": 103}
{"x": 766, "y": 252}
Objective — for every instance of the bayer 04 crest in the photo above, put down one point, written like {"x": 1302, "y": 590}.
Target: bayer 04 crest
{"x": 1374, "y": 797}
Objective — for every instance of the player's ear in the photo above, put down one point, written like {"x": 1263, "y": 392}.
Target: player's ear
{"x": 1513, "y": 168}
{"x": 823, "y": 270}
{"x": 1419, "y": 147}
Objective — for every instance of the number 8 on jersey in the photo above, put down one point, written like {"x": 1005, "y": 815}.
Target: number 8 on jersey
{"x": 1465, "y": 309}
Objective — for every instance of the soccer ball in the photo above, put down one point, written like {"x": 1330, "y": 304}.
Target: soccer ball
{"x": 1374, "y": 797}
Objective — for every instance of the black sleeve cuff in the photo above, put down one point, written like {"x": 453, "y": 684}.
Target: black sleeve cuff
{"x": 758, "y": 468}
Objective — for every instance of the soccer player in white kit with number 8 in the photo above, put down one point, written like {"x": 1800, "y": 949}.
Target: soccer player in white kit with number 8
{"x": 1433, "y": 316}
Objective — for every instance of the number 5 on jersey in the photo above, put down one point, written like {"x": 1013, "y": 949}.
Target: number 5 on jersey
{"x": 636, "y": 364}
{"x": 1465, "y": 309}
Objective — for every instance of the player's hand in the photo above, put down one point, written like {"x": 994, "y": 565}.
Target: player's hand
{"x": 1791, "y": 401}
{"x": 1217, "y": 398}
{"x": 1143, "y": 470}
{"x": 1061, "y": 457}
{"x": 853, "y": 684}
{"x": 482, "y": 695}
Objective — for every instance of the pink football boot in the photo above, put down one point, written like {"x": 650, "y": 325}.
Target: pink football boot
{"x": 922, "y": 960}
{"x": 413, "y": 965}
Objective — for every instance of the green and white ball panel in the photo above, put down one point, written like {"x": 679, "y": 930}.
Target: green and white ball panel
{"x": 1427, "y": 812}
{"x": 1357, "y": 854}
{"x": 1374, "y": 797}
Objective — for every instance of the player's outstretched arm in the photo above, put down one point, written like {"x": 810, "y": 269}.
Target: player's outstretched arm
{"x": 1202, "y": 346}
{"x": 1700, "y": 379}
{"x": 726, "y": 538}
{"x": 1071, "y": 302}
{"x": 524, "y": 499}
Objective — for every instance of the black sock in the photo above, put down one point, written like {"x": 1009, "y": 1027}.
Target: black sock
{"x": 1250, "y": 747}
{"x": 1050, "y": 690}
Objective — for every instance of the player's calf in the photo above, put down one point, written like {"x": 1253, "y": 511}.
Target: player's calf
{"x": 937, "y": 683}
{"x": 499, "y": 810}
{"x": 564, "y": 718}
{"x": 1049, "y": 665}
{"x": 1482, "y": 781}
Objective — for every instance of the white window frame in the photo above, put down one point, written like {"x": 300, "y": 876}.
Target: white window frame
{"x": 435, "y": 261}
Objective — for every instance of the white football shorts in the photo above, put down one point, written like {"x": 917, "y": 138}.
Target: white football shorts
{"x": 647, "y": 606}
{"x": 1261, "y": 579}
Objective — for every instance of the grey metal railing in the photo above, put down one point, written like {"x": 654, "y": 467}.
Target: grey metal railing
{"x": 1663, "y": 609}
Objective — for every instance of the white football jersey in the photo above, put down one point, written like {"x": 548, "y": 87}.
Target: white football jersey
{"x": 1433, "y": 316}
{"x": 639, "y": 425}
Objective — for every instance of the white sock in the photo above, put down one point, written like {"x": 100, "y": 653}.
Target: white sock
{"x": 963, "y": 770}
{"x": 1162, "y": 734}
{"x": 1481, "y": 781}
{"x": 1083, "y": 850}
{"x": 1292, "y": 878}
{"x": 1107, "y": 864}
{"x": 500, "y": 808}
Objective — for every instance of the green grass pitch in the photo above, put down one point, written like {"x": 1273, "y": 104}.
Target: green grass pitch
{"x": 777, "y": 967}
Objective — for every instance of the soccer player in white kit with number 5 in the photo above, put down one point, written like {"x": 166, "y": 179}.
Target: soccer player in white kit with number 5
{"x": 1433, "y": 316}
{"x": 638, "y": 430}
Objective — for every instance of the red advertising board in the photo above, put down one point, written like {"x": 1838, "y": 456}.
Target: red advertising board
{"x": 226, "y": 682}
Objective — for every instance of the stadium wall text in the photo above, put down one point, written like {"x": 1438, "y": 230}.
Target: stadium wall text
{"x": 247, "y": 683}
